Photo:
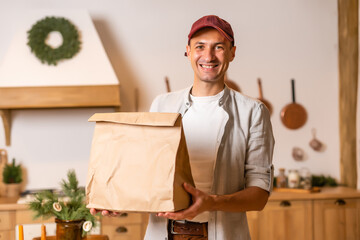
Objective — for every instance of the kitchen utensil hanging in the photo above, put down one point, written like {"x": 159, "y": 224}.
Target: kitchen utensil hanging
{"x": 315, "y": 143}
{"x": 136, "y": 96}
{"x": 298, "y": 154}
{"x": 293, "y": 115}
{"x": 266, "y": 102}
{"x": 167, "y": 83}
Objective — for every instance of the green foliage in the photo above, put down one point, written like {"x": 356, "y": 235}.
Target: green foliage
{"x": 40, "y": 31}
{"x": 12, "y": 173}
{"x": 69, "y": 206}
{"x": 321, "y": 181}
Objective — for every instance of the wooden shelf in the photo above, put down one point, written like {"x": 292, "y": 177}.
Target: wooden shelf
{"x": 55, "y": 97}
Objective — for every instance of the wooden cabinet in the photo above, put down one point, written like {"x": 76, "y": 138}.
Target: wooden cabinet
{"x": 7, "y": 220}
{"x": 129, "y": 226}
{"x": 337, "y": 219}
{"x": 282, "y": 220}
{"x": 10, "y": 218}
{"x": 332, "y": 214}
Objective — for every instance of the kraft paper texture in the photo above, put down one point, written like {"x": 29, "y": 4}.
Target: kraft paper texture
{"x": 138, "y": 163}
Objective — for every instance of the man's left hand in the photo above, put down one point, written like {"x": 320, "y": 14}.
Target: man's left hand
{"x": 201, "y": 202}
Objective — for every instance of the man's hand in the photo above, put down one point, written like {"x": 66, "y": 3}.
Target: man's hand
{"x": 94, "y": 211}
{"x": 201, "y": 202}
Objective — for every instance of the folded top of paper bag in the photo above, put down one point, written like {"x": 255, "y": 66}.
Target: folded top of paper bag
{"x": 145, "y": 118}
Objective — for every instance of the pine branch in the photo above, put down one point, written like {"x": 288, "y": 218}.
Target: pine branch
{"x": 69, "y": 207}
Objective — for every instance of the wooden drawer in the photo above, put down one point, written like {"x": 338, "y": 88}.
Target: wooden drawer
{"x": 7, "y": 220}
{"x": 27, "y": 216}
{"x": 7, "y": 235}
{"x": 127, "y": 218}
{"x": 123, "y": 232}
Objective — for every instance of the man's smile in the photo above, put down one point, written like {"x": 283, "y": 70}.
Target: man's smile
{"x": 208, "y": 66}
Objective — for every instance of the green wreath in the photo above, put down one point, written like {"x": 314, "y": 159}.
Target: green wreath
{"x": 39, "y": 32}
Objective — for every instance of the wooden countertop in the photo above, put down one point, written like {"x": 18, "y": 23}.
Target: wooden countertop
{"x": 11, "y": 204}
{"x": 325, "y": 193}
{"x": 8, "y": 204}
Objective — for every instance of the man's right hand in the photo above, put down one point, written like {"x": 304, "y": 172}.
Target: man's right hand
{"x": 94, "y": 211}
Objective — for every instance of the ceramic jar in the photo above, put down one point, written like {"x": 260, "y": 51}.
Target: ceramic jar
{"x": 293, "y": 179}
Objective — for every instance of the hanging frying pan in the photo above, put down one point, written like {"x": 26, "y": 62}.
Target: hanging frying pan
{"x": 293, "y": 115}
{"x": 266, "y": 102}
{"x": 136, "y": 95}
{"x": 167, "y": 83}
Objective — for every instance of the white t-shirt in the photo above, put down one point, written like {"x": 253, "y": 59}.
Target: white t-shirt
{"x": 204, "y": 124}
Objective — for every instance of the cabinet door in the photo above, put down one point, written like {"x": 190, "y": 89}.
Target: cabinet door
{"x": 7, "y": 235}
{"x": 337, "y": 219}
{"x": 124, "y": 227}
{"x": 122, "y": 232}
{"x": 282, "y": 220}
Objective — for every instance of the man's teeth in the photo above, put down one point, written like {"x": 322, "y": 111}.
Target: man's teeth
{"x": 208, "y": 66}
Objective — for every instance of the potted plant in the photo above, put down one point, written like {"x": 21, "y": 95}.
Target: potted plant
{"x": 73, "y": 219}
{"x": 12, "y": 177}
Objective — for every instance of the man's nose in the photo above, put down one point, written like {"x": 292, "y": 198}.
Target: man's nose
{"x": 209, "y": 54}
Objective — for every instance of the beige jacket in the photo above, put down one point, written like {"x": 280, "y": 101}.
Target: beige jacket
{"x": 244, "y": 158}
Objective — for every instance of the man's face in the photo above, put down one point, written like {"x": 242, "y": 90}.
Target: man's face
{"x": 210, "y": 54}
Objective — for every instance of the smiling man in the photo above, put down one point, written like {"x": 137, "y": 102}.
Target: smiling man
{"x": 229, "y": 139}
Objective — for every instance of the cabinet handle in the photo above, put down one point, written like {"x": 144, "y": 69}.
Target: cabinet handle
{"x": 285, "y": 203}
{"x": 121, "y": 230}
{"x": 340, "y": 202}
{"x": 123, "y": 215}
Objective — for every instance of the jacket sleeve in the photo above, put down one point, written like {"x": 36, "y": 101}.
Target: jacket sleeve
{"x": 259, "y": 170}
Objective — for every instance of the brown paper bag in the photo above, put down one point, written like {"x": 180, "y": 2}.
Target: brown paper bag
{"x": 138, "y": 163}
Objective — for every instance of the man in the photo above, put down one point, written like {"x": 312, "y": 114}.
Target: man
{"x": 230, "y": 143}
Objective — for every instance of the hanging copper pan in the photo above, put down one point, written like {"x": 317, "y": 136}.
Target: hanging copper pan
{"x": 266, "y": 102}
{"x": 293, "y": 115}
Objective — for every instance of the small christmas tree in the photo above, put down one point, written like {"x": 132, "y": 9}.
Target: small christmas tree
{"x": 12, "y": 173}
{"x": 70, "y": 206}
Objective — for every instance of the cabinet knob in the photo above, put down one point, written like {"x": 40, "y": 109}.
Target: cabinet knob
{"x": 285, "y": 203}
{"x": 340, "y": 202}
{"x": 121, "y": 230}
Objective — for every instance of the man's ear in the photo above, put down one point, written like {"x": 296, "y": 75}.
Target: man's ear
{"x": 188, "y": 51}
{"x": 233, "y": 50}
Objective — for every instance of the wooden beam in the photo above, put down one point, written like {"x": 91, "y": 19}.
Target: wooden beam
{"x": 55, "y": 97}
{"x": 348, "y": 84}
{"x": 59, "y": 97}
{"x": 6, "y": 118}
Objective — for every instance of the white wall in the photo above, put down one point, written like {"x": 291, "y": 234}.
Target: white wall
{"x": 145, "y": 41}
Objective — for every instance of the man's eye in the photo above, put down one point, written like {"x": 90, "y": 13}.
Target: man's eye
{"x": 199, "y": 47}
{"x": 219, "y": 47}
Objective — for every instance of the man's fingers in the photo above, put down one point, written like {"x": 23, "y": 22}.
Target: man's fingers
{"x": 93, "y": 211}
{"x": 105, "y": 212}
{"x": 190, "y": 189}
{"x": 179, "y": 215}
{"x": 115, "y": 214}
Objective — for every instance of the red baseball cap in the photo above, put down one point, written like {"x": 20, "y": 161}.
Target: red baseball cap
{"x": 215, "y": 22}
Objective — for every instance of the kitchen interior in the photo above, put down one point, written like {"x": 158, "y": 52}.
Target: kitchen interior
{"x": 303, "y": 52}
